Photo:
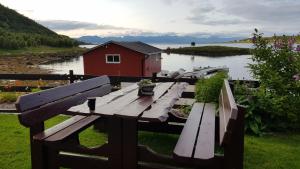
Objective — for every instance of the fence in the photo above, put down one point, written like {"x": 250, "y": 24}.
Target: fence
{"x": 71, "y": 77}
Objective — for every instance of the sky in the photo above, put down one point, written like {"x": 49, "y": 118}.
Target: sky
{"x": 201, "y": 18}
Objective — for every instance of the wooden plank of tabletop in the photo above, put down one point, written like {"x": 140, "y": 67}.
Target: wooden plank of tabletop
{"x": 100, "y": 101}
{"x": 135, "y": 108}
{"x": 122, "y": 103}
{"x": 159, "y": 110}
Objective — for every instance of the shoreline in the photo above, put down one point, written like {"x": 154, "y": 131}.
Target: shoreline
{"x": 29, "y": 63}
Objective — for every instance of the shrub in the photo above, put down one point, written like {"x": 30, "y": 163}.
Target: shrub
{"x": 208, "y": 90}
{"x": 8, "y": 97}
{"x": 244, "y": 95}
{"x": 276, "y": 66}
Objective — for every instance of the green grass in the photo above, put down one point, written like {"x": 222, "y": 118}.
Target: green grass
{"x": 273, "y": 151}
{"x": 210, "y": 51}
{"x": 39, "y": 50}
{"x": 8, "y": 97}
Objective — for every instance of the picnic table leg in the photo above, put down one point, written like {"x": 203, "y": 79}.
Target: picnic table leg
{"x": 130, "y": 135}
{"x": 37, "y": 148}
{"x": 115, "y": 143}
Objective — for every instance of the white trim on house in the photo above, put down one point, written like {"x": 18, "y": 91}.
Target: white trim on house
{"x": 113, "y": 55}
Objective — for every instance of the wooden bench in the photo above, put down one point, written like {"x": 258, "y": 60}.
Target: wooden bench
{"x": 196, "y": 144}
{"x": 210, "y": 138}
{"x": 38, "y": 107}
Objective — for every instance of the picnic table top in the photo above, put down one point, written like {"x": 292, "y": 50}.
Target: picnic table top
{"x": 126, "y": 103}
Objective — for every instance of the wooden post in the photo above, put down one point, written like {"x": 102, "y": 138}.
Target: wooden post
{"x": 71, "y": 76}
{"x": 234, "y": 150}
{"x": 38, "y": 153}
{"x": 115, "y": 142}
{"x": 154, "y": 77}
{"x": 130, "y": 143}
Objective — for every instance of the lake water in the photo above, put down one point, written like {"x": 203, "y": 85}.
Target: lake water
{"x": 237, "y": 64}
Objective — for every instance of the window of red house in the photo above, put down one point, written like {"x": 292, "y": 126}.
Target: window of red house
{"x": 113, "y": 58}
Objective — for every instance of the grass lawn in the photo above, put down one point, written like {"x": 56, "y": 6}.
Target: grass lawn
{"x": 39, "y": 50}
{"x": 273, "y": 151}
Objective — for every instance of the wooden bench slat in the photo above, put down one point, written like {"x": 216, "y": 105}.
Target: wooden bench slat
{"x": 138, "y": 106}
{"x": 186, "y": 142}
{"x": 227, "y": 109}
{"x": 222, "y": 118}
{"x": 159, "y": 110}
{"x": 100, "y": 101}
{"x": 71, "y": 129}
{"x": 32, "y": 117}
{"x": 206, "y": 138}
{"x": 33, "y": 100}
{"x": 49, "y": 132}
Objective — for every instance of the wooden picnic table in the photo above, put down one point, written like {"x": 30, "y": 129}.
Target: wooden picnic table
{"x": 123, "y": 110}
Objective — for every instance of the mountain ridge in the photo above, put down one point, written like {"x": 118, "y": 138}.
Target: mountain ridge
{"x": 171, "y": 39}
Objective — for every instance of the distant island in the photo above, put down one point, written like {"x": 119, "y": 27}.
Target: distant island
{"x": 214, "y": 51}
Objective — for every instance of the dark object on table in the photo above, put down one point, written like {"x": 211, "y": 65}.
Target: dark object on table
{"x": 91, "y": 103}
{"x": 146, "y": 87}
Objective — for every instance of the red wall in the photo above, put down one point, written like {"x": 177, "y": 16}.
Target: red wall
{"x": 131, "y": 62}
{"x": 95, "y": 62}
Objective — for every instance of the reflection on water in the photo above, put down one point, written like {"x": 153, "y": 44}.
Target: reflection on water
{"x": 237, "y": 64}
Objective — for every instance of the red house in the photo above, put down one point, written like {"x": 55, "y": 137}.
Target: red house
{"x": 122, "y": 59}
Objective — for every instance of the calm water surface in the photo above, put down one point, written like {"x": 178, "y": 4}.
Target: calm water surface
{"x": 237, "y": 64}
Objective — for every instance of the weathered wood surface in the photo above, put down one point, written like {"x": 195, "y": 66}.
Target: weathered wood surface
{"x": 186, "y": 142}
{"x": 49, "y": 110}
{"x": 135, "y": 108}
{"x": 33, "y": 100}
{"x": 101, "y": 101}
{"x": 160, "y": 108}
{"x": 227, "y": 109}
{"x": 71, "y": 129}
{"x": 38, "y": 107}
{"x": 205, "y": 145}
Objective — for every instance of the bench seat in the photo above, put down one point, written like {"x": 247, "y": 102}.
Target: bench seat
{"x": 65, "y": 129}
{"x": 197, "y": 137}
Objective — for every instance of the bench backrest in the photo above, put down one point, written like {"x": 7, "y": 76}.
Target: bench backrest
{"x": 37, "y": 107}
{"x": 228, "y": 112}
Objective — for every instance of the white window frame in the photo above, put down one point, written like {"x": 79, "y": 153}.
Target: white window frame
{"x": 113, "y": 62}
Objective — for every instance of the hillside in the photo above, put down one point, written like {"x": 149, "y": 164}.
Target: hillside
{"x": 18, "y": 31}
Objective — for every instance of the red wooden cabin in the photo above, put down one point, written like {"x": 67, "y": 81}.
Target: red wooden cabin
{"x": 122, "y": 59}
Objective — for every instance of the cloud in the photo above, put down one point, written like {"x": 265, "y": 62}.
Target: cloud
{"x": 268, "y": 15}
{"x": 209, "y": 14}
{"x": 64, "y": 25}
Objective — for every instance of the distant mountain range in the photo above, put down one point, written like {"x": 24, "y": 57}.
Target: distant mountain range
{"x": 167, "y": 39}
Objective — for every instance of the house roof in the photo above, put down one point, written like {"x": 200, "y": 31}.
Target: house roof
{"x": 136, "y": 46}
